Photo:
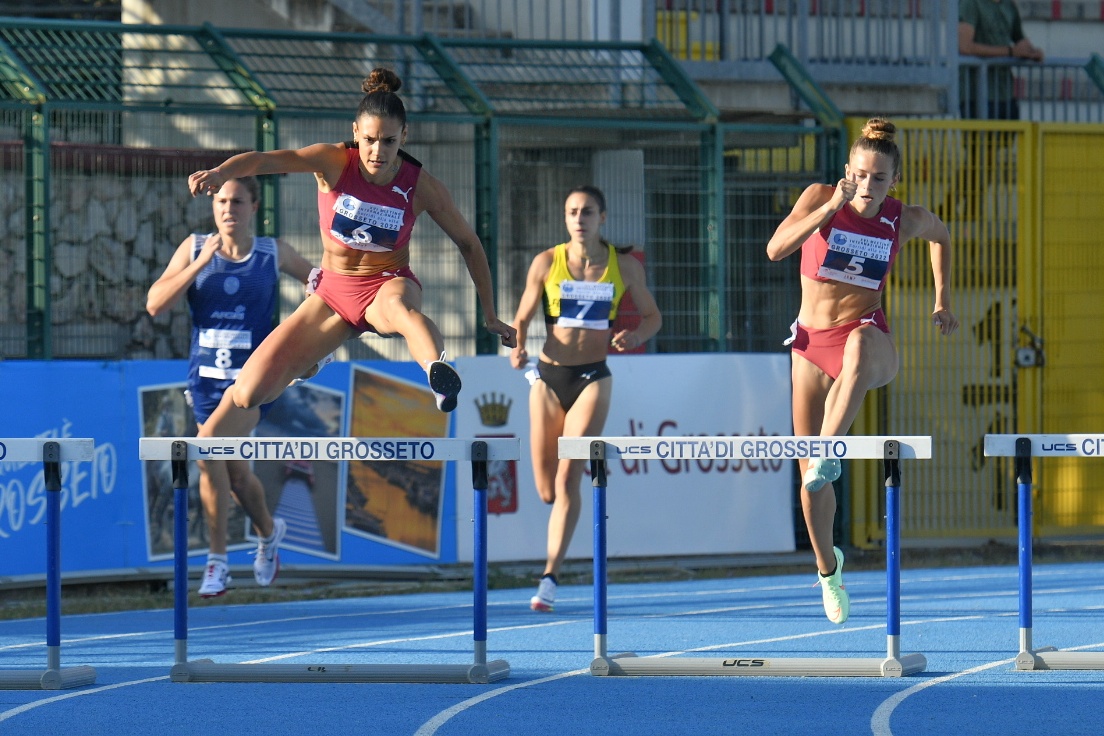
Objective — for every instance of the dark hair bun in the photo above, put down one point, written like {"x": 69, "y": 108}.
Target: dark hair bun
{"x": 381, "y": 80}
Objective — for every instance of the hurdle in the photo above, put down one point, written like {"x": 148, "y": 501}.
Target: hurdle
{"x": 51, "y": 453}
{"x": 179, "y": 450}
{"x": 1023, "y": 448}
{"x": 890, "y": 449}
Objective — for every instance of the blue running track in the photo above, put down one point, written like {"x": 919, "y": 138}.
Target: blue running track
{"x": 964, "y": 620}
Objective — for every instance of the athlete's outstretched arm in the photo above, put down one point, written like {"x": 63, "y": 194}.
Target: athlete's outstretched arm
{"x": 436, "y": 200}
{"x": 917, "y": 222}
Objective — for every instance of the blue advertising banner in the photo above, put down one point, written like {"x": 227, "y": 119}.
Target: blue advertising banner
{"x": 117, "y": 510}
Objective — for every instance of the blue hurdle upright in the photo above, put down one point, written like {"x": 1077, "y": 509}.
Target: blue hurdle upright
{"x": 180, "y": 450}
{"x": 890, "y": 449}
{"x": 1023, "y": 448}
{"x": 52, "y": 453}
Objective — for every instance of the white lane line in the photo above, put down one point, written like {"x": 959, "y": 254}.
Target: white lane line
{"x": 879, "y": 722}
{"x": 243, "y": 624}
{"x": 426, "y": 609}
{"x": 881, "y": 599}
{"x": 427, "y": 637}
{"x": 430, "y": 727}
{"x": 5, "y": 715}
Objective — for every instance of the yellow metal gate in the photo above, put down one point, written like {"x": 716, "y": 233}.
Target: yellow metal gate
{"x": 1069, "y": 315}
{"x": 1027, "y": 274}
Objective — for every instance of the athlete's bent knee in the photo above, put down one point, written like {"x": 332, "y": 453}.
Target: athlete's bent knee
{"x": 246, "y": 396}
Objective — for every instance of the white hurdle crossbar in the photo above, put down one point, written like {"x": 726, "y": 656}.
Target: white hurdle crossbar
{"x": 51, "y": 453}
{"x": 1023, "y": 447}
{"x": 890, "y": 449}
{"x": 181, "y": 449}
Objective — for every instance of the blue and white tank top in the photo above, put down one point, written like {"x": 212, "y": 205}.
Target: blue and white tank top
{"x": 232, "y": 305}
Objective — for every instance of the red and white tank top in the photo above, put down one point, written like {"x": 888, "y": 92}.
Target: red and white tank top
{"x": 363, "y": 216}
{"x": 852, "y": 249}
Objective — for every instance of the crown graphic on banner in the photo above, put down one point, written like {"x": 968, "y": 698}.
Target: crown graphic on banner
{"x": 494, "y": 409}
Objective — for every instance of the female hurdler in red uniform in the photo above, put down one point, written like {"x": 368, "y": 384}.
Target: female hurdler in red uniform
{"x": 369, "y": 194}
{"x": 848, "y": 236}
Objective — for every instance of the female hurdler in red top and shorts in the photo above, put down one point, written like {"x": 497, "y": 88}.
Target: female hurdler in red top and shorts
{"x": 359, "y": 215}
{"x": 853, "y": 250}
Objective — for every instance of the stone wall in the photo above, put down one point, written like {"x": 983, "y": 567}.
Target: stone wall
{"x": 112, "y": 234}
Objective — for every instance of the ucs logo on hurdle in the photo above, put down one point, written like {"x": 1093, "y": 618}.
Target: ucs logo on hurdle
{"x": 745, "y": 663}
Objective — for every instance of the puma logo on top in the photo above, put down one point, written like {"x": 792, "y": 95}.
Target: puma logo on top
{"x": 892, "y": 223}
{"x": 406, "y": 194}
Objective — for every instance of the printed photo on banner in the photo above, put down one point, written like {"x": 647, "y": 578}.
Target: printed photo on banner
{"x": 305, "y": 493}
{"x": 165, "y": 413}
{"x": 395, "y": 502}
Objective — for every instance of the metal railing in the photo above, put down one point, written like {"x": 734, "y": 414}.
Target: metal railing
{"x": 101, "y": 123}
{"x": 563, "y": 20}
{"x": 1055, "y": 90}
{"x": 885, "y": 41}
{"x": 892, "y": 43}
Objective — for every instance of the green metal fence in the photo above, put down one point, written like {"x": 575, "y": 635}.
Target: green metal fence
{"x": 101, "y": 123}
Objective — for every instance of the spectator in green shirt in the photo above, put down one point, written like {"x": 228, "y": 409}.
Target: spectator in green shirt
{"x": 992, "y": 29}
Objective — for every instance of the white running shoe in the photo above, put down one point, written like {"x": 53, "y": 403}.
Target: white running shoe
{"x": 266, "y": 563}
{"x": 545, "y": 599}
{"x": 215, "y": 579}
{"x": 820, "y": 473}
{"x": 837, "y": 603}
{"x": 444, "y": 381}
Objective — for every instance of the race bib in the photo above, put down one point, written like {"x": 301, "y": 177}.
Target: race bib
{"x": 366, "y": 226}
{"x": 223, "y": 352}
{"x": 856, "y": 259}
{"x": 226, "y": 339}
{"x": 585, "y": 304}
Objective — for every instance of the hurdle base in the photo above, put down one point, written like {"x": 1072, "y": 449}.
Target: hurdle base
{"x": 633, "y": 666}
{"x": 1049, "y": 658}
{"x": 204, "y": 670}
{"x": 600, "y": 666}
{"x": 59, "y": 679}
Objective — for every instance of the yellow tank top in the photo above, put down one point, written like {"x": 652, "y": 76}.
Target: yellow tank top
{"x": 590, "y": 305}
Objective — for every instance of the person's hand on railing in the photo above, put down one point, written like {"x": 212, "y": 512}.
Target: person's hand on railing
{"x": 1024, "y": 49}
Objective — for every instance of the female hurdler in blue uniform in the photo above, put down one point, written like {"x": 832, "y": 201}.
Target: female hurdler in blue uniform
{"x": 230, "y": 278}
